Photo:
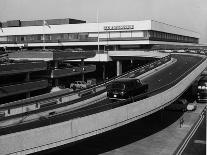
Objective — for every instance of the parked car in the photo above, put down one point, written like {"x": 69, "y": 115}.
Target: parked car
{"x": 79, "y": 85}
{"x": 191, "y": 107}
{"x": 179, "y": 105}
{"x": 57, "y": 88}
{"x": 202, "y": 90}
{"x": 125, "y": 88}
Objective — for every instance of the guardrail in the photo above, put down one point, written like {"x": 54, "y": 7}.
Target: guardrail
{"x": 65, "y": 97}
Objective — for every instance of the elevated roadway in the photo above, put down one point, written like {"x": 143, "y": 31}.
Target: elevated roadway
{"x": 166, "y": 85}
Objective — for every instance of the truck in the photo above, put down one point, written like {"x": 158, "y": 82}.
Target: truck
{"x": 125, "y": 88}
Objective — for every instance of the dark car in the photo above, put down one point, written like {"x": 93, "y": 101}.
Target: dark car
{"x": 179, "y": 105}
{"x": 125, "y": 88}
{"x": 202, "y": 90}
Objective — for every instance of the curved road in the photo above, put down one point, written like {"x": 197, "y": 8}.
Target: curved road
{"x": 155, "y": 81}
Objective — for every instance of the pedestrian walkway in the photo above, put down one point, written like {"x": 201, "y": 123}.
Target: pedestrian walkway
{"x": 164, "y": 142}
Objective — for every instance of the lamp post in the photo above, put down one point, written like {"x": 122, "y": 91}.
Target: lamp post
{"x": 43, "y": 34}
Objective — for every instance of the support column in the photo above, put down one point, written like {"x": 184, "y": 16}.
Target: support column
{"x": 118, "y": 68}
{"x": 115, "y": 47}
{"x": 82, "y": 64}
{"x": 27, "y": 79}
{"x": 56, "y": 82}
{"x": 56, "y": 67}
{"x": 104, "y": 72}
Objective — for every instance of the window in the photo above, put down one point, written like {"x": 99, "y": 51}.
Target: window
{"x": 93, "y": 35}
{"x": 103, "y": 35}
{"x": 115, "y": 34}
{"x": 126, "y": 34}
{"x": 3, "y": 38}
{"x": 73, "y": 36}
{"x": 138, "y": 34}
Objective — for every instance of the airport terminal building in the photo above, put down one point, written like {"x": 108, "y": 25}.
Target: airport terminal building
{"x": 113, "y": 41}
{"x": 107, "y": 36}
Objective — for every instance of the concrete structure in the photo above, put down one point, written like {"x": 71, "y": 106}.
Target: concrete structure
{"x": 46, "y": 137}
{"x": 115, "y": 34}
{"x": 35, "y": 72}
{"x": 104, "y": 37}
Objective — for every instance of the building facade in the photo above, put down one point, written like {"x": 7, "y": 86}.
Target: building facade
{"x": 106, "y": 36}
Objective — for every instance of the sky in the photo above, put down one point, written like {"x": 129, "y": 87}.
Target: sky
{"x": 189, "y": 14}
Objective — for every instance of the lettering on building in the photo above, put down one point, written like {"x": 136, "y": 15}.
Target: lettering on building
{"x": 120, "y": 27}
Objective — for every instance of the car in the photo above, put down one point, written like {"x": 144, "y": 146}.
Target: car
{"x": 57, "y": 88}
{"x": 202, "y": 90}
{"x": 179, "y": 105}
{"x": 191, "y": 107}
{"x": 125, "y": 88}
{"x": 79, "y": 85}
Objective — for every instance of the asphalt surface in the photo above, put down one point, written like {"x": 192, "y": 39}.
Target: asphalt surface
{"x": 170, "y": 73}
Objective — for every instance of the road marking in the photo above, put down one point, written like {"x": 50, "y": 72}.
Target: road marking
{"x": 200, "y": 141}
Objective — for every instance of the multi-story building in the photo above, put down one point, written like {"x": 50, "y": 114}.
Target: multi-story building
{"x": 108, "y": 35}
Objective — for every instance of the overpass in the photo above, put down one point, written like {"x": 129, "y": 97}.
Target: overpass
{"x": 166, "y": 83}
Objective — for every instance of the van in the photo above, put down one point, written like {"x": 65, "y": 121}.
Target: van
{"x": 125, "y": 88}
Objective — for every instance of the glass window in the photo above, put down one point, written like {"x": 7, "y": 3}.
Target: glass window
{"x": 138, "y": 34}
{"x": 73, "y": 36}
{"x": 126, "y": 34}
{"x": 115, "y": 34}
{"x": 3, "y": 38}
{"x": 103, "y": 35}
{"x": 55, "y": 37}
{"x": 65, "y": 36}
{"x": 11, "y": 38}
{"x": 83, "y": 35}
{"x": 93, "y": 35}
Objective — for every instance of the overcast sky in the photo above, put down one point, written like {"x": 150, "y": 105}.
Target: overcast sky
{"x": 189, "y": 14}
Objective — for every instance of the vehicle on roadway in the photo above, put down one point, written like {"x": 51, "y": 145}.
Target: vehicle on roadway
{"x": 125, "y": 88}
{"x": 181, "y": 105}
{"x": 202, "y": 90}
{"x": 79, "y": 85}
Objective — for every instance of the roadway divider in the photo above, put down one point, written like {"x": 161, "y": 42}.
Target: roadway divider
{"x": 65, "y": 97}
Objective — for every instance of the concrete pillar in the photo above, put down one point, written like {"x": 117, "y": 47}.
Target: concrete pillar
{"x": 27, "y": 79}
{"x": 82, "y": 64}
{"x": 56, "y": 67}
{"x": 118, "y": 67}
{"x": 104, "y": 71}
{"x": 56, "y": 82}
{"x": 56, "y": 64}
{"x": 115, "y": 47}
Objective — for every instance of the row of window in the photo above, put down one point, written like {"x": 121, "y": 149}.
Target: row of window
{"x": 153, "y": 35}
{"x": 156, "y": 35}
